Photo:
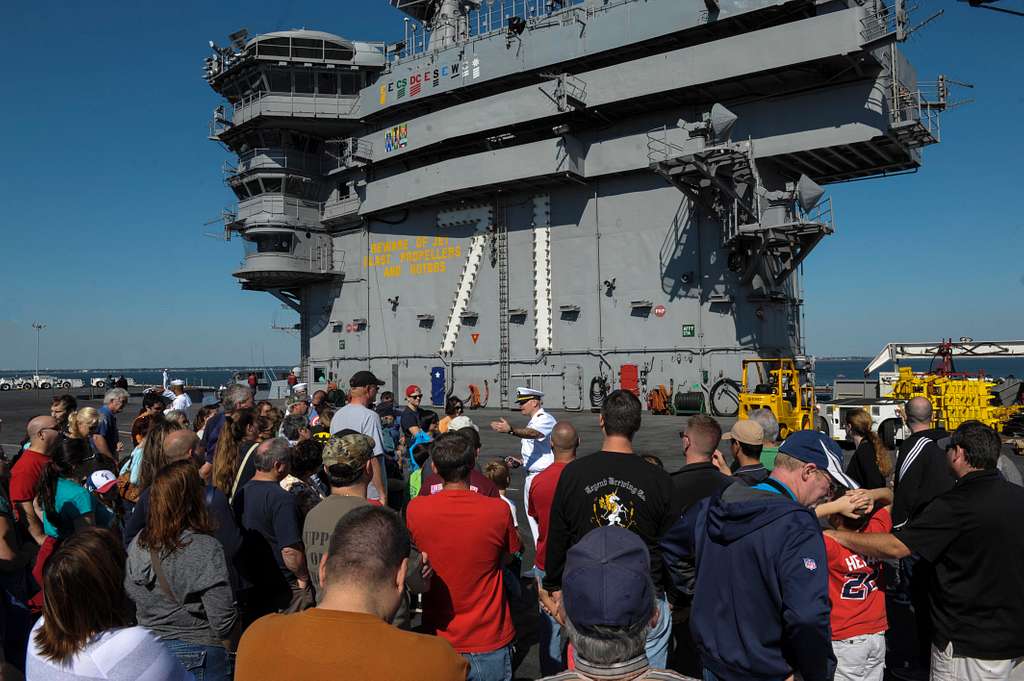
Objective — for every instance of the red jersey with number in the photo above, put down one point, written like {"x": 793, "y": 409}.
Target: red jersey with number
{"x": 465, "y": 536}
{"x": 855, "y": 586}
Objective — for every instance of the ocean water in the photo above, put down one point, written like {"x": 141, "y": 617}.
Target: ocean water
{"x": 828, "y": 370}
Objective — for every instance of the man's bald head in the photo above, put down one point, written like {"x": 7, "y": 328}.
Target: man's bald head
{"x": 919, "y": 412}
{"x": 38, "y": 424}
{"x": 180, "y": 444}
{"x": 564, "y": 440}
{"x": 42, "y": 434}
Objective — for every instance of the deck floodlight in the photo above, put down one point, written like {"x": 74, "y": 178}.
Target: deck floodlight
{"x": 808, "y": 193}
{"x": 721, "y": 121}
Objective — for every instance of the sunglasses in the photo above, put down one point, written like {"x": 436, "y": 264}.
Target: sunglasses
{"x": 415, "y": 397}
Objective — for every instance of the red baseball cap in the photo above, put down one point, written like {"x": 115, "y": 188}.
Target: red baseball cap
{"x": 412, "y": 390}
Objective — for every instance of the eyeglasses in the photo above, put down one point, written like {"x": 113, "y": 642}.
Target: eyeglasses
{"x": 828, "y": 479}
{"x": 415, "y": 397}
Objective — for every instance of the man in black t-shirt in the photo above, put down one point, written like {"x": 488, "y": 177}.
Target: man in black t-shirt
{"x": 697, "y": 480}
{"x": 970, "y": 535}
{"x": 269, "y": 517}
{"x": 613, "y": 487}
{"x": 409, "y": 419}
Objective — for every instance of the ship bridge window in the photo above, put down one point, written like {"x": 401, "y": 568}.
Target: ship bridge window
{"x": 273, "y": 47}
{"x": 280, "y": 81}
{"x": 274, "y": 242}
{"x": 303, "y": 82}
{"x": 337, "y": 52}
{"x": 294, "y": 186}
{"x": 327, "y": 83}
{"x": 304, "y": 48}
{"x": 350, "y": 83}
{"x": 271, "y": 185}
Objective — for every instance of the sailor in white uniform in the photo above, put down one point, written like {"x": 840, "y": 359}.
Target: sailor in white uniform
{"x": 535, "y": 445}
{"x": 177, "y": 395}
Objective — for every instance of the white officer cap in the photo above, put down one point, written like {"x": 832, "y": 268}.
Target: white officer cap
{"x": 300, "y": 387}
{"x": 527, "y": 394}
{"x": 178, "y": 381}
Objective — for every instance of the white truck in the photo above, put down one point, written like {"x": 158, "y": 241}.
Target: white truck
{"x": 851, "y": 394}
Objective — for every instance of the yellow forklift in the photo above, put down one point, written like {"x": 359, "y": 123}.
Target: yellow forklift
{"x": 778, "y": 384}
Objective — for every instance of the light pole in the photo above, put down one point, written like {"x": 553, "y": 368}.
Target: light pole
{"x": 38, "y": 326}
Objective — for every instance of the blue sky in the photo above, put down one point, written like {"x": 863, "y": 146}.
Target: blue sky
{"x": 108, "y": 179}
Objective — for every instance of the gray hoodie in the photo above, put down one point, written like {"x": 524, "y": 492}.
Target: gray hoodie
{"x": 204, "y": 612}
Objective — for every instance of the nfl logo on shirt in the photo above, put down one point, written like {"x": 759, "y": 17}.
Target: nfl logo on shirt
{"x": 810, "y": 564}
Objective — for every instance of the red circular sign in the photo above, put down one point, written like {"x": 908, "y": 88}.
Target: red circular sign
{"x": 659, "y": 311}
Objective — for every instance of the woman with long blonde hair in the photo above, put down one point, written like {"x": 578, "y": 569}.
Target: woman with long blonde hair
{"x": 872, "y": 465}
{"x": 82, "y": 423}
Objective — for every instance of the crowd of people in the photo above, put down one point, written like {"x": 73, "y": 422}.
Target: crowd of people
{"x": 347, "y": 537}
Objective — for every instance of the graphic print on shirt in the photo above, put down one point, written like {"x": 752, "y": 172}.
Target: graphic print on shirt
{"x": 861, "y": 578}
{"x": 613, "y": 502}
{"x": 610, "y": 510}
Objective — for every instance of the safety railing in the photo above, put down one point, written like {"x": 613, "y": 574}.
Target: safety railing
{"x": 276, "y": 159}
{"x": 492, "y": 17}
{"x": 340, "y": 208}
{"x": 278, "y": 207}
{"x": 884, "y": 18}
{"x": 659, "y": 149}
{"x": 911, "y": 108}
{"x": 346, "y": 153}
{"x": 821, "y": 214}
{"x": 293, "y": 105}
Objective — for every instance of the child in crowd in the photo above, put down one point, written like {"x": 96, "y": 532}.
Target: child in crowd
{"x": 858, "y": 601}
{"x": 419, "y": 452}
{"x": 497, "y": 472}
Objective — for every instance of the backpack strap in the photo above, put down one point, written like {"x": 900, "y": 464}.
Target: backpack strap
{"x": 158, "y": 568}
{"x": 241, "y": 467}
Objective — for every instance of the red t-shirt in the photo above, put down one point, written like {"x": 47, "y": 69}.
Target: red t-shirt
{"x": 542, "y": 494}
{"x": 25, "y": 475}
{"x": 854, "y": 586}
{"x": 478, "y": 482}
{"x": 466, "y": 536}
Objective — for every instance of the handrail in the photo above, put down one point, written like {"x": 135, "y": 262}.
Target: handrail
{"x": 241, "y": 110}
{"x": 491, "y": 20}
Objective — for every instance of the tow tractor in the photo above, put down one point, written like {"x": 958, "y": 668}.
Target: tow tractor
{"x": 955, "y": 396}
{"x": 777, "y": 384}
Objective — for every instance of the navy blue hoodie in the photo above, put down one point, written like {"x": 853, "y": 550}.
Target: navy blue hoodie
{"x": 760, "y": 592}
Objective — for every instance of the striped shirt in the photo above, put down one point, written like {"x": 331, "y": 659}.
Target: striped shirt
{"x": 129, "y": 654}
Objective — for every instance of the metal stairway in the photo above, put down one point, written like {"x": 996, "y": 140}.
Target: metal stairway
{"x": 542, "y": 328}
{"x": 504, "y": 346}
{"x": 463, "y": 293}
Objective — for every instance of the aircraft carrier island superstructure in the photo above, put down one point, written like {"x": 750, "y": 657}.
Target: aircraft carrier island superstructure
{"x": 574, "y": 196}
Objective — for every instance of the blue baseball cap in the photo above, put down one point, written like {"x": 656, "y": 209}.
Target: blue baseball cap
{"x": 607, "y": 579}
{"x": 811, "y": 446}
